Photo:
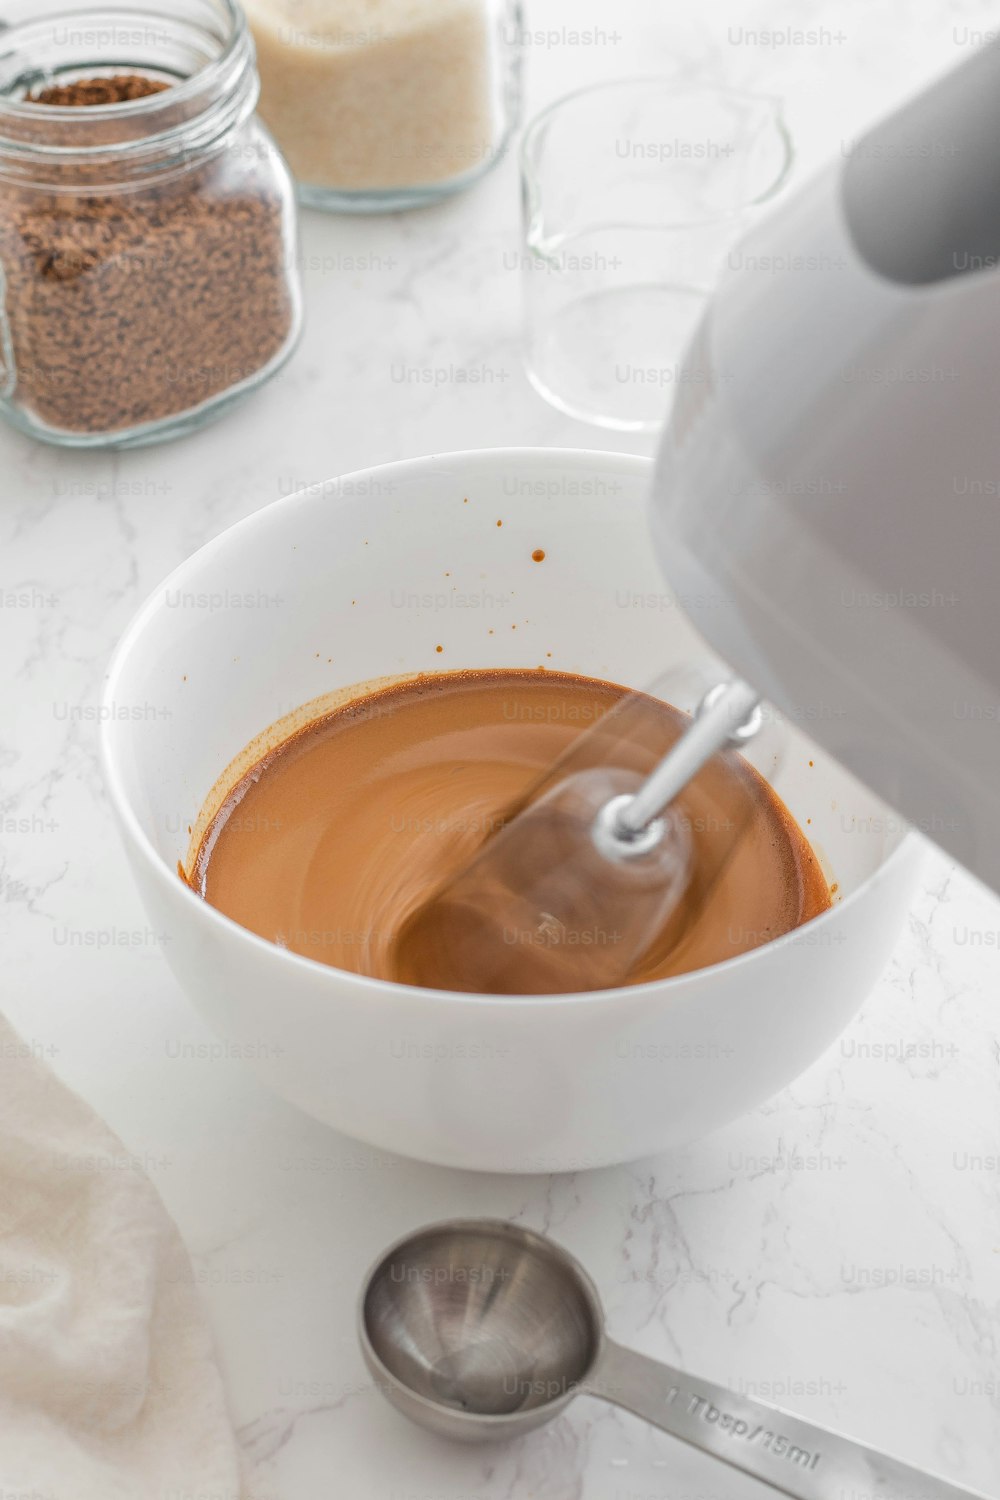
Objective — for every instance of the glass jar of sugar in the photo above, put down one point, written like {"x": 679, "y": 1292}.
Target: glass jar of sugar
{"x": 387, "y": 104}
{"x": 148, "y": 226}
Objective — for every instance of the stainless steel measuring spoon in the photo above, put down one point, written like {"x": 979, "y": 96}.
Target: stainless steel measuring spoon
{"x": 481, "y": 1330}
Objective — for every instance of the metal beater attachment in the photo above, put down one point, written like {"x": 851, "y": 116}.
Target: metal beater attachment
{"x": 587, "y": 880}
{"x": 629, "y": 827}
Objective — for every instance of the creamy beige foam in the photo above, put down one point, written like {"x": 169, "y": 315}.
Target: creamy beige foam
{"x": 331, "y": 840}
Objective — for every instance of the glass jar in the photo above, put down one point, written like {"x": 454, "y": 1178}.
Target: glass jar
{"x": 148, "y": 248}
{"x": 390, "y": 105}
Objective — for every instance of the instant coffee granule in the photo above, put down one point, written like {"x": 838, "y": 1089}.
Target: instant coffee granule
{"x": 131, "y": 306}
{"x": 117, "y": 90}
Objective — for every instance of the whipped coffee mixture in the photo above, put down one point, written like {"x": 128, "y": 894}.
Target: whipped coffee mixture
{"x": 336, "y": 836}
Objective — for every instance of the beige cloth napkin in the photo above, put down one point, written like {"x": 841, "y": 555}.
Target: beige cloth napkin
{"x": 108, "y": 1384}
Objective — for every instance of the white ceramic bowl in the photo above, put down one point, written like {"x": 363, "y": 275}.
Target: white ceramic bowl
{"x": 366, "y": 577}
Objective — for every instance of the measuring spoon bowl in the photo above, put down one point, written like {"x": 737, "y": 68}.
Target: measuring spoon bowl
{"x": 481, "y": 1330}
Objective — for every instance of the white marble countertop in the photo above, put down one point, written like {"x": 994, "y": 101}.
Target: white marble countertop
{"x": 838, "y": 1251}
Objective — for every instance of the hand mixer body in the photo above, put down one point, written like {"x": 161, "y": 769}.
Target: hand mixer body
{"x": 827, "y": 501}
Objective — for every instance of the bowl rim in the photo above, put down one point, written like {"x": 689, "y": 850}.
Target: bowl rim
{"x": 908, "y": 851}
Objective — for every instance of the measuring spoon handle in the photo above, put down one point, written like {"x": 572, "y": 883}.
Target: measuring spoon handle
{"x": 794, "y": 1456}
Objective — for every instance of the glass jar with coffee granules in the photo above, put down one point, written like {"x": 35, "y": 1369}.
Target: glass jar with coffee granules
{"x": 148, "y": 250}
